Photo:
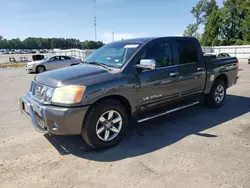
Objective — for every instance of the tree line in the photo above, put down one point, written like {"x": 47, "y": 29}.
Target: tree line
{"x": 48, "y": 43}
{"x": 226, "y": 25}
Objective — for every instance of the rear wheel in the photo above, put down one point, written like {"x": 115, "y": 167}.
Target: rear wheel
{"x": 217, "y": 95}
{"x": 40, "y": 69}
{"x": 105, "y": 124}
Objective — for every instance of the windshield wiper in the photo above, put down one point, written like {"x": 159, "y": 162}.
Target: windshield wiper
{"x": 99, "y": 64}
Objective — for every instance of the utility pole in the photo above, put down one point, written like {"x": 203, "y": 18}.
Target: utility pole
{"x": 113, "y": 36}
{"x": 95, "y": 18}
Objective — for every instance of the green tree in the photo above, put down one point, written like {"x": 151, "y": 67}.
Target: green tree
{"x": 197, "y": 11}
{"x": 48, "y": 43}
{"x": 235, "y": 15}
{"x": 201, "y": 12}
{"x": 212, "y": 29}
{"x": 208, "y": 8}
{"x": 1, "y": 42}
{"x": 227, "y": 25}
{"x": 190, "y": 31}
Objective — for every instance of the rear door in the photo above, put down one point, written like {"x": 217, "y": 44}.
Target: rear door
{"x": 158, "y": 87}
{"x": 192, "y": 69}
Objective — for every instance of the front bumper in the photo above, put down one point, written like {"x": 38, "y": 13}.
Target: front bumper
{"x": 30, "y": 68}
{"x": 52, "y": 119}
{"x": 236, "y": 80}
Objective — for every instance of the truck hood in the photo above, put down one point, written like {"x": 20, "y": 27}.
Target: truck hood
{"x": 75, "y": 75}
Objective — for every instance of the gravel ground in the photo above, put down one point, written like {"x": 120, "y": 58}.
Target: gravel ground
{"x": 196, "y": 147}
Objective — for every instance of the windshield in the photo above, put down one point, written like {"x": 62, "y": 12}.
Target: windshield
{"x": 113, "y": 54}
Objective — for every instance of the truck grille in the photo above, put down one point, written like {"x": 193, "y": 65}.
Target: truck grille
{"x": 41, "y": 92}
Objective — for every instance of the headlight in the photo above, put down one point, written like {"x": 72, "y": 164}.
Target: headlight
{"x": 30, "y": 65}
{"x": 68, "y": 94}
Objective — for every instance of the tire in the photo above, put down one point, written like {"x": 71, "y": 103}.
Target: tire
{"x": 40, "y": 69}
{"x": 95, "y": 128}
{"x": 217, "y": 95}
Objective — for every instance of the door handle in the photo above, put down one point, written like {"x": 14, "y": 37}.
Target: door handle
{"x": 201, "y": 69}
{"x": 174, "y": 74}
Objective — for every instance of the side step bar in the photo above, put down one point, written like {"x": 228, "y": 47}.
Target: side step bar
{"x": 167, "y": 112}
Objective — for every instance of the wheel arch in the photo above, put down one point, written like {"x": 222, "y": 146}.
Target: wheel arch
{"x": 222, "y": 77}
{"x": 121, "y": 99}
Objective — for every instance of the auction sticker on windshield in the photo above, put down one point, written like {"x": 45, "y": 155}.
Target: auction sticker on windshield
{"x": 131, "y": 46}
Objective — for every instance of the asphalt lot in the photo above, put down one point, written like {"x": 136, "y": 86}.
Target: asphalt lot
{"x": 197, "y": 147}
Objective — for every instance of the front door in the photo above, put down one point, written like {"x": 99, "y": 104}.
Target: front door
{"x": 158, "y": 87}
{"x": 53, "y": 63}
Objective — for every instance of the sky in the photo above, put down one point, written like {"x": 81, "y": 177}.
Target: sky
{"x": 75, "y": 18}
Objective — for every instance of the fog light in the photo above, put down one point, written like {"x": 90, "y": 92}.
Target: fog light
{"x": 54, "y": 126}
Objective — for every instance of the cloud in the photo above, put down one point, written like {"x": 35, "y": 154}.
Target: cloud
{"x": 107, "y": 37}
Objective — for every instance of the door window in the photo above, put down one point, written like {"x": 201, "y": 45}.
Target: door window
{"x": 187, "y": 51}
{"x": 64, "y": 58}
{"x": 55, "y": 58}
{"x": 162, "y": 53}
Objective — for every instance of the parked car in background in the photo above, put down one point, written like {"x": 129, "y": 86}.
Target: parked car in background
{"x": 51, "y": 63}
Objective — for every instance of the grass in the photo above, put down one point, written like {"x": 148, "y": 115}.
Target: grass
{"x": 12, "y": 65}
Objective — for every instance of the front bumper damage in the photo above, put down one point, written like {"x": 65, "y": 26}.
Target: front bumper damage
{"x": 53, "y": 119}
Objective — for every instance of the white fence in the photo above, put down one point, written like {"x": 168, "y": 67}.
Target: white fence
{"x": 240, "y": 52}
{"x": 236, "y": 51}
{"x": 82, "y": 54}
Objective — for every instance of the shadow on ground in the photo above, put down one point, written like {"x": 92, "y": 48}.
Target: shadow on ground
{"x": 157, "y": 134}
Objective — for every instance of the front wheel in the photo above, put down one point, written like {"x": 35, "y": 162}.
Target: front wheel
{"x": 217, "y": 95}
{"x": 40, "y": 69}
{"x": 105, "y": 124}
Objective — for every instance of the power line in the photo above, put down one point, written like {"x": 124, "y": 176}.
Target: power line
{"x": 95, "y": 18}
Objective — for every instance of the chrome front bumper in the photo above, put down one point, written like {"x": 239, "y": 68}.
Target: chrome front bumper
{"x": 32, "y": 112}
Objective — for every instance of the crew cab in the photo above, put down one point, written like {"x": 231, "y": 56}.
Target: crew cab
{"x": 126, "y": 81}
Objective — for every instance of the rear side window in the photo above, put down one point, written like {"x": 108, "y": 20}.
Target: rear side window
{"x": 187, "y": 51}
{"x": 66, "y": 57}
{"x": 223, "y": 55}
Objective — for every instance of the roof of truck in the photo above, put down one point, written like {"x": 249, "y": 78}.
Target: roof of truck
{"x": 146, "y": 39}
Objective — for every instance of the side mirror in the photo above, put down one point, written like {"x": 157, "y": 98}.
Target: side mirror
{"x": 146, "y": 64}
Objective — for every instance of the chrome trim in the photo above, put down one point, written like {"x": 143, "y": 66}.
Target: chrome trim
{"x": 167, "y": 112}
{"x": 160, "y": 68}
{"x": 46, "y": 98}
{"x": 201, "y": 68}
{"x": 174, "y": 74}
{"x": 31, "y": 114}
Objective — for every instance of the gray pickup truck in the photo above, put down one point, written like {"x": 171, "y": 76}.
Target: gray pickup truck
{"x": 126, "y": 81}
